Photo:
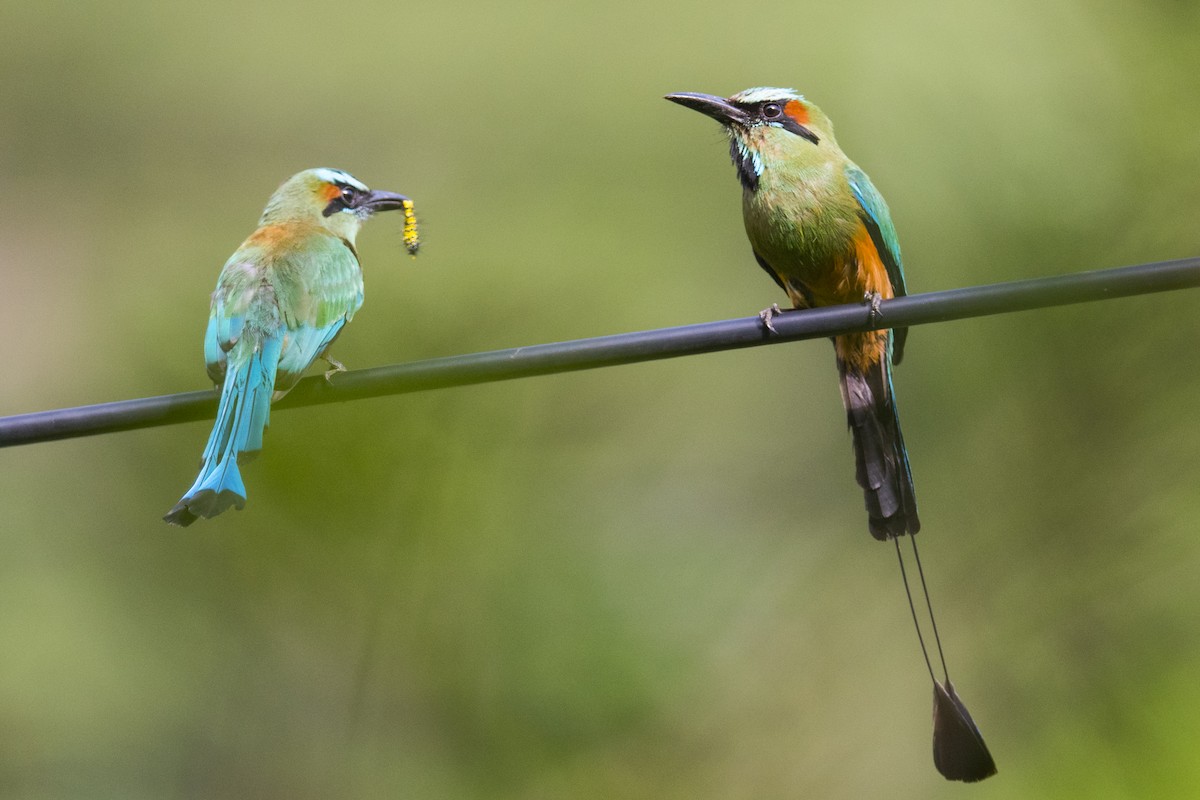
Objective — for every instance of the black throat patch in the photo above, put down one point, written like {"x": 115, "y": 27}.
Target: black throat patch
{"x": 745, "y": 166}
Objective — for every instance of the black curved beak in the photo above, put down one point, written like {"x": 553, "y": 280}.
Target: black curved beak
{"x": 710, "y": 105}
{"x": 384, "y": 201}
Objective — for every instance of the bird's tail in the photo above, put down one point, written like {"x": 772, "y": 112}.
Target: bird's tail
{"x": 865, "y": 366}
{"x": 880, "y": 457}
{"x": 243, "y": 413}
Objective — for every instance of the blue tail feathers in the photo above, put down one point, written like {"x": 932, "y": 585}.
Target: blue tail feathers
{"x": 244, "y": 411}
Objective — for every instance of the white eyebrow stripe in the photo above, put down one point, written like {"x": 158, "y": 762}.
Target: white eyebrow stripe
{"x": 338, "y": 176}
{"x": 761, "y": 94}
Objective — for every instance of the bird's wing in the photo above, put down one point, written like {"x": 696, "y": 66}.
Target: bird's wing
{"x": 318, "y": 291}
{"x": 878, "y": 220}
{"x": 879, "y": 223}
{"x": 230, "y": 303}
{"x": 767, "y": 268}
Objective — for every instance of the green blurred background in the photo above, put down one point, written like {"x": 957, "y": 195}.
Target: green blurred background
{"x": 650, "y": 581}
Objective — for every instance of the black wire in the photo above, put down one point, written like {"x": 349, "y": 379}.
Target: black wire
{"x": 625, "y": 348}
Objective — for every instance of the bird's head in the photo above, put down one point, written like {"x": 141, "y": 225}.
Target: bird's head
{"x": 765, "y": 126}
{"x": 330, "y": 198}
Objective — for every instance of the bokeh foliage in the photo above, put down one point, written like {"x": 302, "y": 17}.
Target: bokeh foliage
{"x": 651, "y": 581}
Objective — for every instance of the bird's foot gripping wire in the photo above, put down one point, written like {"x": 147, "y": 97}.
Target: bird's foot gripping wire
{"x": 769, "y": 313}
{"x": 335, "y": 367}
{"x": 873, "y": 299}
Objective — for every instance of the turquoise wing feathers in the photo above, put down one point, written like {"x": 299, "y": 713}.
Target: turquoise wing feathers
{"x": 879, "y": 222}
{"x": 883, "y": 233}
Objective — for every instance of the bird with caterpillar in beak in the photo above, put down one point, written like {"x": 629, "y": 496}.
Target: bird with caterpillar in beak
{"x": 821, "y": 230}
{"x": 281, "y": 300}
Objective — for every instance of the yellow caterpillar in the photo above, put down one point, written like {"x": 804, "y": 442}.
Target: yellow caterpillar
{"x": 412, "y": 240}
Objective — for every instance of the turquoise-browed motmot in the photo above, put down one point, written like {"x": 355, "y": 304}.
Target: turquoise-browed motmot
{"x": 281, "y": 300}
{"x": 821, "y": 230}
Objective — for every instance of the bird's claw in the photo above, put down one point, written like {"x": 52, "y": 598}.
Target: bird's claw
{"x": 335, "y": 367}
{"x": 874, "y": 299}
{"x": 769, "y": 313}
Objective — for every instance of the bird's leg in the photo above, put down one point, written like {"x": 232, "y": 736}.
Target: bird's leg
{"x": 335, "y": 367}
{"x": 769, "y": 313}
{"x": 874, "y": 299}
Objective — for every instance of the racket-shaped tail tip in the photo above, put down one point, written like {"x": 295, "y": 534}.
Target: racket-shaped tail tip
{"x": 959, "y": 752}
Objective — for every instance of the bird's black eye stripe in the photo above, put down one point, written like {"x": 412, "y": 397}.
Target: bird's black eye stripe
{"x": 772, "y": 111}
{"x": 348, "y": 197}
